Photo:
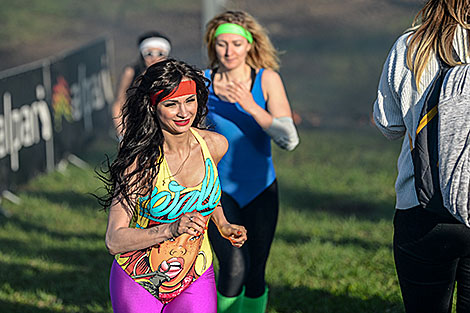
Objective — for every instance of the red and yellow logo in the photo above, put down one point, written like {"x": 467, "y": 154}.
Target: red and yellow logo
{"x": 61, "y": 103}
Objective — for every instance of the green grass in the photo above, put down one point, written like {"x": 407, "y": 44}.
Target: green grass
{"x": 41, "y": 20}
{"x": 339, "y": 82}
{"x": 332, "y": 250}
{"x": 53, "y": 257}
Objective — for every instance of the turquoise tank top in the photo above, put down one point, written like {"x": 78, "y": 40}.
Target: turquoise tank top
{"x": 247, "y": 168}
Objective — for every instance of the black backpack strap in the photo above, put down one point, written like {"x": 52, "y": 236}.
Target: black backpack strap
{"x": 425, "y": 152}
{"x": 430, "y": 106}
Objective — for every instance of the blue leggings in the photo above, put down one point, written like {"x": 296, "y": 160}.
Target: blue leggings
{"x": 127, "y": 296}
{"x": 432, "y": 254}
{"x": 246, "y": 267}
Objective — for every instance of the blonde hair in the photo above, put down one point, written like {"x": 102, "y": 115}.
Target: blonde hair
{"x": 262, "y": 53}
{"x": 434, "y": 28}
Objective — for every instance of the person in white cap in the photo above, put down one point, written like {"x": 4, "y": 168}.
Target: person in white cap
{"x": 153, "y": 47}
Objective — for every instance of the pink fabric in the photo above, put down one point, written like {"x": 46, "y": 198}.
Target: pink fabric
{"x": 127, "y": 296}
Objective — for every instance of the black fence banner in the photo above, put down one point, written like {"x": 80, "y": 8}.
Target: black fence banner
{"x": 51, "y": 109}
{"x": 26, "y": 134}
{"x": 81, "y": 94}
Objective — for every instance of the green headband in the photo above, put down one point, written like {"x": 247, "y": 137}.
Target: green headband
{"x": 230, "y": 28}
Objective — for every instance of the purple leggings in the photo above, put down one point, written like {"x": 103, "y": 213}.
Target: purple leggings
{"x": 127, "y": 296}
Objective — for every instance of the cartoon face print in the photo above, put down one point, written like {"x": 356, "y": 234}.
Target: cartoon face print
{"x": 175, "y": 257}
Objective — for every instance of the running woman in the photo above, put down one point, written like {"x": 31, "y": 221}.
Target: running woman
{"x": 163, "y": 190}
{"x": 248, "y": 105}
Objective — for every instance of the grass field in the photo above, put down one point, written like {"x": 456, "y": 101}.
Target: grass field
{"x": 332, "y": 51}
{"x": 332, "y": 250}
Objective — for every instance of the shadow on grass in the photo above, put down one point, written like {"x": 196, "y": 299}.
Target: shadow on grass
{"x": 23, "y": 308}
{"x": 338, "y": 204}
{"x": 294, "y": 238}
{"x": 71, "y": 275}
{"x": 29, "y": 227}
{"x": 73, "y": 200}
{"x": 357, "y": 242}
{"x": 58, "y": 270}
{"x": 301, "y": 299}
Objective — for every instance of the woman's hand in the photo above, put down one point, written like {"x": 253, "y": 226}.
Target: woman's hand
{"x": 236, "y": 91}
{"x": 235, "y": 233}
{"x": 192, "y": 223}
{"x": 239, "y": 92}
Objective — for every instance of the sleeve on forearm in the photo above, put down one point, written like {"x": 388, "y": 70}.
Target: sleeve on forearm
{"x": 387, "y": 112}
{"x": 283, "y": 133}
{"x": 388, "y": 119}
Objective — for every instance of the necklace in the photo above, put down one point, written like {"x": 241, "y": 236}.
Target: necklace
{"x": 182, "y": 163}
{"x": 179, "y": 168}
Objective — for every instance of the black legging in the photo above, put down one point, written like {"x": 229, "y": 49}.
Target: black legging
{"x": 431, "y": 252}
{"x": 246, "y": 266}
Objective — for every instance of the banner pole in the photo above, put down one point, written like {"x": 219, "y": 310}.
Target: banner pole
{"x": 46, "y": 76}
{"x": 209, "y": 9}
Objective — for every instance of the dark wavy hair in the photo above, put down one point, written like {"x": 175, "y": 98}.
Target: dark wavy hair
{"x": 133, "y": 172}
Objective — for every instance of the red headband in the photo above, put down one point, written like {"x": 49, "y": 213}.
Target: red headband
{"x": 187, "y": 87}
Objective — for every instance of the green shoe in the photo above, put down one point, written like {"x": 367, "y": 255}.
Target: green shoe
{"x": 255, "y": 305}
{"x": 230, "y": 304}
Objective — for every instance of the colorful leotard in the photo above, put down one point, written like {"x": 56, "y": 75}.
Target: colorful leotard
{"x": 166, "y": 269}
{"x": 247, "y": 168}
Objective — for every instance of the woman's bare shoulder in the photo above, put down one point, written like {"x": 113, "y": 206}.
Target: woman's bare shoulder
{"x": 271, "y": 77}
{"x": 216, "y": 143}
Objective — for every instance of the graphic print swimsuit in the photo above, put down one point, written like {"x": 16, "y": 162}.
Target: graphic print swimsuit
{"x": 168, "y": 268}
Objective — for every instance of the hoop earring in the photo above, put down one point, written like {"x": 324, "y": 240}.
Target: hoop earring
{"x": 200, "y": 255}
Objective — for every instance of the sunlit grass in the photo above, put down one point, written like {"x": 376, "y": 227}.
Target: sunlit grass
{"x": 37, "y": 20}
{"x": 332, "y": 250}
{"x": 52, "y": 248}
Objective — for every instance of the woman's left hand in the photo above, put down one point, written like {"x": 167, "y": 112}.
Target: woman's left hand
{"x": 235, "y": 233}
